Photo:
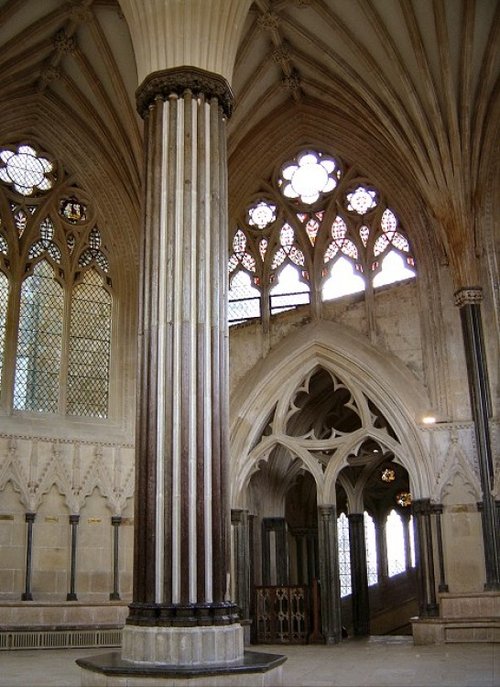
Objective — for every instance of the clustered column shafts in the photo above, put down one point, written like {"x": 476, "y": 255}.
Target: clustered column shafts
{"x": 469, "y": 302}
{"x": 424, "y": 555}
{"x": 359, "y": 575}
{"x": 437, "y": 509}
{"x": 242, "y": 565}
{"x": 331, "y": 623}
{"x": 181, "y": 560}
{"x": 274, "y": 551}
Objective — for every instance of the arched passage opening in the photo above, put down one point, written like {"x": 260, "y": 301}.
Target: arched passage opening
{"x": 317, "y": 451}
{"x": 376, "y": 543}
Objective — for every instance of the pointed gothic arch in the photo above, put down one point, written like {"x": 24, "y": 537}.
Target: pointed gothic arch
{"x": 391, "y": 388}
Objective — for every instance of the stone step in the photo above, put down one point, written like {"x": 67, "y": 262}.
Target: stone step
{"x": 454, "y": 630}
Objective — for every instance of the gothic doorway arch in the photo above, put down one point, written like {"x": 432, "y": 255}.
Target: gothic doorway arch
{"x": 320, "y": 407}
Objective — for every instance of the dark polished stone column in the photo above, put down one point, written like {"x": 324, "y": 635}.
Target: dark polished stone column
{"x": 241, "y": 543}
{"x": 426, "y": 585}
{"x": 116, "y": 521}
{"x": 73, "y": 521}
{"x": 381, "y": 544}
{"x": 182, "y": 516}
{"x": 276, "y": 552}
{"x": 359, "y": 575}
{"x": 419, "y": 539}
{"x": 331, "y": 621}
{"x": 306, "y": 545}
{"x": 437, "y": 510}
{"x": 469, "y": 302}
{"x": 27, "y": 594}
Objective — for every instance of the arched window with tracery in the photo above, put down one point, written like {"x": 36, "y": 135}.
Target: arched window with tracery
{"x": 371, "y": 549}
{"x": 319, "y": 231}
{"x": 344, "y": 549}
{"x": 39, "y": 342}
{"x": 55, "y": 290}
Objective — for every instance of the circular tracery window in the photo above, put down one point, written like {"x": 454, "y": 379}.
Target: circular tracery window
{"x": 25, "y": 170}
{"x": 310, "y": 175}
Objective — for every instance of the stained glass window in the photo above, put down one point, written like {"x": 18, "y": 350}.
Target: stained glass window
{"x": 94, "y": 253}
{"x": 25, "y": 170}
{"x": 289, "y": 291}
{"x": 308, "y": 176}
{"x": 340, "y": 235}
{"x": 371, "y": 549}
{"x": 344, "y": 555}
{"x": 38, "y": 359}
{"x": 393, "y": 269}
{"x": 60, "y": 366}
{"x": 262, "y": 214}
{"x": 343, "y": 280}
{"x": 72, "y": 210}
{"x": 240, "y": 255}
{"x": 361, "y": 200}
{"x": 244, "y": 299}
{"x": 395, "y": 543}
{"x": 89, "y": 348}
{"x": 4, "y": 299}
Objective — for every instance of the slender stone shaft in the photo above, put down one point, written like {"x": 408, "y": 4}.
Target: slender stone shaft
{"x": 331, "y": 623}
{"x": 469, "y": 302}
{"x": 27, "y": 594}
{"x": 359, "y": 575}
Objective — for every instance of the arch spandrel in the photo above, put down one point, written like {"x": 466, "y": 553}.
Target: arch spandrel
{"x": 340, "y": 352}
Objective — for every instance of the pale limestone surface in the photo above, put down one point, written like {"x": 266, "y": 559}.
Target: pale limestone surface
{"x": 374, "y": 662}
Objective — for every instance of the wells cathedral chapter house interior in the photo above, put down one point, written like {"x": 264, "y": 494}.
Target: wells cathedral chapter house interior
{"x": 249, "y": 331}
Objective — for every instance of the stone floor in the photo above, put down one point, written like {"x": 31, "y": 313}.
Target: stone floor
{"x": 370, "y": 662}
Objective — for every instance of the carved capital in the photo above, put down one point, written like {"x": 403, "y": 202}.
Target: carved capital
{"x": 327, "y": 513}
{"x": 470, "y": 295}
{"x": 178, "y": 81}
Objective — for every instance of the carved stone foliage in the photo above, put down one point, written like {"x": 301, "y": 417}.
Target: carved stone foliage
{"x": 34, "y": 465}
{"x": 167, "y": 82}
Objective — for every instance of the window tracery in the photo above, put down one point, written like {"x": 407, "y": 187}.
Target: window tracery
{"x": 53, "y": 253}
{"x": 332, "y": 227}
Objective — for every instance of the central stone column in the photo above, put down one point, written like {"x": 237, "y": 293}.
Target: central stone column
{"x": 182, "y": 624}
{"x": 181, "y": 565}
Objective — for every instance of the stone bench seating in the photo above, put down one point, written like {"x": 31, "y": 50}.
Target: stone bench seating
{"x": 463, "y": 618}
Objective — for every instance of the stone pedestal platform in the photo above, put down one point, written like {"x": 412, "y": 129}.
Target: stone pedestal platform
{"x": 473, "y": 617}
{"x": 254, "y": 669}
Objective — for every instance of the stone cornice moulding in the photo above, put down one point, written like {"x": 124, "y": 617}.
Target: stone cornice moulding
{"x": 178, "y": 81}
{"x": 59, "y": 440}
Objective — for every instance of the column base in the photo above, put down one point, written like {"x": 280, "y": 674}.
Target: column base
{"x": 253, "y": 669}
{"x": 184, "y": 646}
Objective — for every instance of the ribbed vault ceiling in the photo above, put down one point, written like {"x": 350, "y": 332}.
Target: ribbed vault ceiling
{"x": 407, "y": 89}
